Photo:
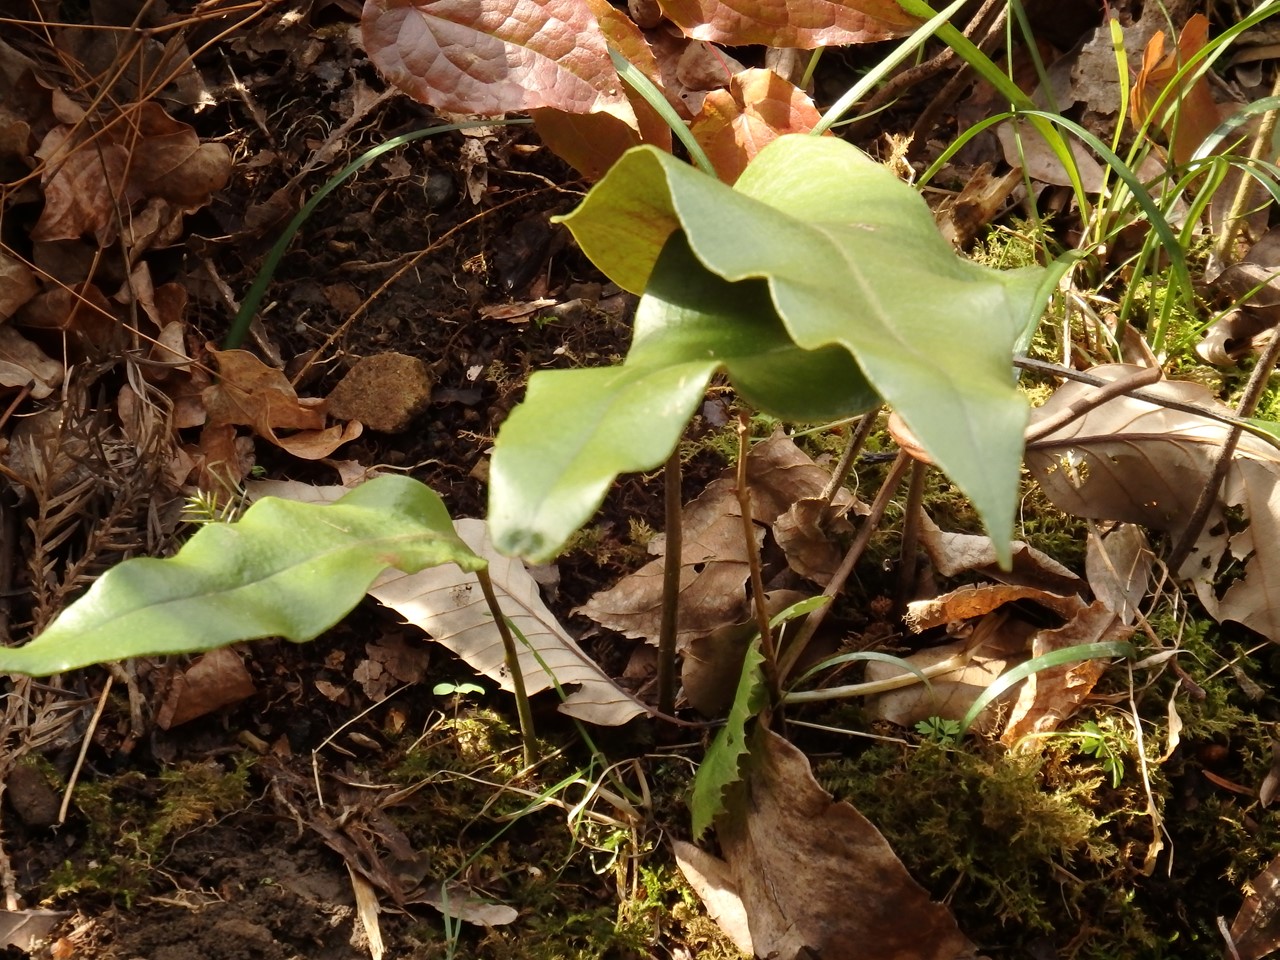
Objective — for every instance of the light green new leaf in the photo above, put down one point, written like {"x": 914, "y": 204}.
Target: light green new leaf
{"x": 576, "y": 430}
{"x": 852, "y": 259}
{"x": 722, "y": 766}
{"x": 284, "y": 569}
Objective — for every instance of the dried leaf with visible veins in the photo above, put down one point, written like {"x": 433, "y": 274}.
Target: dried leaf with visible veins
{"x": 817, "y": 879}
{"x": 496, "y": 57}
{"x": 818, "y": 23}
{"x": 1142, "y": 463}
{"x": 757, "y": 108}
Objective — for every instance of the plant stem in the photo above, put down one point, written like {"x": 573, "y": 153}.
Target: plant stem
{"x": 869, "y": 525}
{"x": 1253, "y": 391}
{"x": 770, "y": 665}
{"x": 523, "y": 711}
{"x": 857, "y": 440}
{"x": 670, "y": 584}
{"x": 1109, "y": 391}
{"x": 1234, "y": 222}
{"x": 910, "y": 537}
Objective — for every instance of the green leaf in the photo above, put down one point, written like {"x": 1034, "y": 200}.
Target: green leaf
{"x": 722, "y": 766}
{"x": 851, "y": 259}
{"x": 284, "y": 569}
{"x": 576, "y": 430}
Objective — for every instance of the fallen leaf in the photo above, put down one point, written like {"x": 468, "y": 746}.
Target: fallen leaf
{"x": 1049, "y": 696}
{"x": 1118, "y": 566}
{"x": 17, "y": 285}
{"x": 712, "y": 881}
{"x": 1139, "y": 462}
{"x": 23, "y": 929}
{"x": 954, "y": 554}
{"x": 714, "y": 567}
{"x": 447, "y": 604}
{"x": 1189, "y": 105}
{"x": 23, "y": 364}
{"x": 950, "y": 695}
{"x": 1255, "y": 932}
{"x": 215, "y": 680}
{"x": 817, "y": 879}
{"x": 500, "y": 57}
{"x": 822, "y": 23}
{"x": 392, "y": 662}
{"x": 458, "y": 901}
{"x": 759, "y": 106}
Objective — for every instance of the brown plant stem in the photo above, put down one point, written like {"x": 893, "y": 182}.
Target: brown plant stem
{"x": 1253, "y": 391}
{"x": 512, "y": 658}
{"x": 761, "y": 611}
{"x": 670, "y": 584}
{"x": 910, "y": 537}
{"x": 869, "y": 525}
{"x": 857, "y": 440}
{"x": 1108, "y": 391}
{"x": 1234, "y": 222}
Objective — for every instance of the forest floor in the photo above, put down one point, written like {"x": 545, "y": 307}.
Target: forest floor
{"x": 331, "y": 800}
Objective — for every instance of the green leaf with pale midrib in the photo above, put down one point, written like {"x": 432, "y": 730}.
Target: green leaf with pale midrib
{"x": 284, "y": 569}
{"x": 576, "y": 430}
{"x": 852, "y": 258}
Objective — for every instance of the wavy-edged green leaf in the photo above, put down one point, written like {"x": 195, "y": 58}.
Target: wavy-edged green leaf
{"x": 559, "y": 451}
{"x": 722, "y": 766}
{"x": 852, "y": 259}
{"x": 284, "y": 569}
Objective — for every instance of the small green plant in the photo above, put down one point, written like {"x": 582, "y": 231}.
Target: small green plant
{"x": 939, "y": 730}
{"x": 1102, "y": 746}
{"x": 456, "y": 689}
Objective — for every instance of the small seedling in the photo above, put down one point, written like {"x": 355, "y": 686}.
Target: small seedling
{"x": 939, "y": 730}
{"x": 456, "y": 689}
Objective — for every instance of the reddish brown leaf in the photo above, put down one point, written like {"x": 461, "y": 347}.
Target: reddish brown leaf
{"x": 736, "y": 124}
{"x": 17, "y": 285}
{"x": 216, "y": 680}
{"x": 249, "y": 393}
{"x": 494, "y": 58}
{"x": 591, "y": 143}
{"x": 808, "y": 25}
{"x": 169, "y": 160}
{"x": 1196, "y": 112}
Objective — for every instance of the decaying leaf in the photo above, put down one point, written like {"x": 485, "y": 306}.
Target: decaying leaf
{"x": 215, "y": 680}
{"x": 823, "y": 23}
{"x": 1138, "y": 462}
{"x": 817, "y": 879}
{"x": 757, "y": 107}
{"x": 448, "y": 604}
{"x": 495, "y": 58}
{"x": 1118, "y": 566}
{"x": 1255, "y": 932}
{"x": 250, "y": 393}
{"x": 714, "y": 555}
{"x": 953, "y": 554}
{"x": 713, "y": 883}
{"x": 17, "y": 285}
{"x": 950, "y": 695}
{"x": 23, "y": 364}
{"x": 1190, "y": 108}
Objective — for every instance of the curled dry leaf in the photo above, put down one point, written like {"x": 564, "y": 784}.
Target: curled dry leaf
{"x": 817, "y": 879}
{"x": 714, "y": 567}
{"x": 149, "y": 157}
{"x": 759, "y": 106}
{"x": 1188, "y": 112}
{"x": 1118, "y": 566}
{"x": 1255, "y": 932}
{"x": 23, "y": 364}
{"x": 215, "y": 680}
{"x": 17, "y": 285}
{"x": 953, "y": 554}
{"x": 249, "y": 393}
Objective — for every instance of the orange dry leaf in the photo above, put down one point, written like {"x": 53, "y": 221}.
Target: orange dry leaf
{"x": 736, "y": 124}
{"x": 1196, "y": 113}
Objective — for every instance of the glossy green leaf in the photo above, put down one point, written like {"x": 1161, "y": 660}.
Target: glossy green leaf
{"x": 851, "y": 259}
{"x": 722, "y": 766}
{"x": 284, "y": 569}
{"x": 576, "y": 430}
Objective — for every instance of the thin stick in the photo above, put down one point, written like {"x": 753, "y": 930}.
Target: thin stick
{"x": 1253, "y": 391}
{"x": 869, "y": 525}
{"x": 84, "y": 751}
{"x": 670, "y": 584}
{"x": 1112, "y": 389}
{"x": 857, "y": 440}
{"x": 523, "y": 711}
{"x": 770, "y": 665}
{"x": 1234, "y": 223}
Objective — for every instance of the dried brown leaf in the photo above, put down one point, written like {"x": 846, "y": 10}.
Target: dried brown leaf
{"x": 815, "y": 876}
{"x": 1052, "y": 695}
{"x": 23, "y": 364}
{"x": 215, "y": 680}
{"x": 711, "y": 880}
{"x": 735, "y": 124}
{"x": 953, "y": 554}
{"x": 817, "y": 24}
{"x": 495, "y": 58}
{"x": 1118, "y": 567}
{"x": 1255, "y": 932}
{"x": 17, "y": 285}
{"x": 1195, "y": 110}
